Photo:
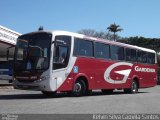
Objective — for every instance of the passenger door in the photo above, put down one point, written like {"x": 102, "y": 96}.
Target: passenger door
{"x": 61, "y": 55}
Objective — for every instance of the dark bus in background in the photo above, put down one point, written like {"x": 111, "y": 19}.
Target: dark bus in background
{"x": 6, "y": 67}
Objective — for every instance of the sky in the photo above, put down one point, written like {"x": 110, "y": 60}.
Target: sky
{"x": 135, "y": 17}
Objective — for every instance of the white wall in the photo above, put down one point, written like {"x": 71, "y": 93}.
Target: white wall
{"x": 7, "y": 38}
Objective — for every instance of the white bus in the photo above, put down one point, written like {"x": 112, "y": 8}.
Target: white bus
{"x": 60, "y": 61}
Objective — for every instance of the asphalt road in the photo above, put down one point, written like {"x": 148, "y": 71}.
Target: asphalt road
{"x": 33, "y": 102}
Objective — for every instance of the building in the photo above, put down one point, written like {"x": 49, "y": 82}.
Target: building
{"x": 7, "y": 39}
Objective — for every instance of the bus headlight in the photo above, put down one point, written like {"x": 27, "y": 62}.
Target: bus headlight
{"x": 44, "y": 77}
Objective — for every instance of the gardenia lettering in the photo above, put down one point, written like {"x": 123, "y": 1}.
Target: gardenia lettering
{"x": 142, "y": 69}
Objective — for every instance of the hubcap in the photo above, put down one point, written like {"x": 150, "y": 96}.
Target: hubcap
{"x": 77, "y": 87}
{"x": 134, "y": 87}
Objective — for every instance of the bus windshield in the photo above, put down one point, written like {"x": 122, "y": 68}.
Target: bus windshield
{"x": 33, "y": 52}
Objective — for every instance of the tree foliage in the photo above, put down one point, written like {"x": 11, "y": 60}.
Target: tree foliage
{"x": 98, "y": 34}
{"x": 151, "y": 43}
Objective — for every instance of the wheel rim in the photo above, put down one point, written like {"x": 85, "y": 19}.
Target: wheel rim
{"x": 77, "y": 87}
{"x": 134, "y": 87}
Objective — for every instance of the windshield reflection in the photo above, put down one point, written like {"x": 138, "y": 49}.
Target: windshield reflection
{"x": 33, "y": 51}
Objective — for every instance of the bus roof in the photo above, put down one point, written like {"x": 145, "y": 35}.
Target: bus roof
{"x": 102, "y": 40}
{"x": 60, "y": 32}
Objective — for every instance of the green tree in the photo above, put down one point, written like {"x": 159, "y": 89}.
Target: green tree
{"x": 114, "y": 28}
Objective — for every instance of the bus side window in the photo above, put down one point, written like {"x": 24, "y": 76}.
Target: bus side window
{"x": 151, "y": 58}
{"x": 83, "y": 48}
{"x": 117, "y": 53}
{"x": 60, "y": 57}
{"x": 130, "y": 54}
{"x": 141, "y": 57}
{"x": 101, "y": 50}
{"x": 144, "y": 57}
{"x": 61, "y": 52}
{"x": 133, "y": 55}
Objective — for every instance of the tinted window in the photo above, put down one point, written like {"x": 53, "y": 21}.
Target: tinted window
{"x": 151, "y": 58}
{"x": 142, "y": 57}
{"x": 117, "y": 53}
{"x": 101, "y": 50}
{"x": 83, "y": 47}
{"x": 33, "y": 52}
{"x": 130, "y": 54}
{"x": 61, "y": 52}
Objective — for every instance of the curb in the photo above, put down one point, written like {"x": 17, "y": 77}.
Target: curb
{"x": 6, "y": 87}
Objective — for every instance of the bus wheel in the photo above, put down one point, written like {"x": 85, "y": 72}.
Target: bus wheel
{"x": 133, "y": 89}
{"x": 107, "y": 91}
{"x": 79, "y": 88}
{"x": 48, "y": 93}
